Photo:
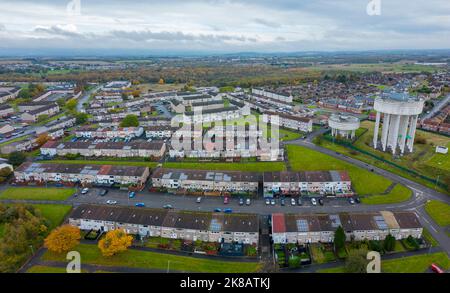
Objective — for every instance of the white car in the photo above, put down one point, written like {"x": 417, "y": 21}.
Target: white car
{"x": 313, "y": 201}
{"x": 111, "y": 201}
{"x": 84, "y": 190}
{"x": 293, "y": 201}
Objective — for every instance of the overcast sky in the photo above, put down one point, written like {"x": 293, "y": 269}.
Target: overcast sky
{"x": 225, "y": 25}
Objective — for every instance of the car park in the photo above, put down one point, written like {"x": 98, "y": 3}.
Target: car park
{"x": 131, "y": 194}
{"x": 227, "y": 211}
{"x": 85, "y": 190}
{"x": 272, "y": 201}
{"x": 248, "y": 201}
{"x": 313, "y": 201}
{"x": 168, "y": 206}
{"x": 293, "y": 201}
{"x": 267, "y": 201}
{"x": 321, "y": 201}
{"x": 241, "y": 201}
{"x": 299, "y": 201}
{"x": 111, "y": 202}
{"x": 199, "y": 199}
{"x": 140, "y": 204}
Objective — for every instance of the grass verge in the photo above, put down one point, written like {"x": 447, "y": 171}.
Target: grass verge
{"x": 150, "y": 260}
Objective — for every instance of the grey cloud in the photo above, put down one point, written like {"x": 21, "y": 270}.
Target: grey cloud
{"x": 267, "y": 23}
{"x": 147, "y": 35}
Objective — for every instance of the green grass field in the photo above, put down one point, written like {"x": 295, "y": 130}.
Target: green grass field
{"x": 398, "y": 194}
{"x": 37, "y": 193}
{"x": 410, "y": 264}
{"x": 429, "y": 238}
{"x": 38, "y": 269}
{"x": 250, "y": 167}
{"x": 150, "y": 260}
{"x": 415, "y": 264}
{"x": 439, "y": 211}
{"x": 334, "y": 270}
{"x": 103, "y": 162}
{"x": 55, "y": 213}
{"x": 2, "y": 230}
{"x": 363, "y": 181}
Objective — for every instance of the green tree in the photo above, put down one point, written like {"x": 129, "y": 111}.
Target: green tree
{"x": 17, "y": 158}
{"x": 356, "y": 261}
{"x": 389, "y": 243}
{"x": 130, "y": 121}
{"x": 71, "y": 104}
{"x": 339, "y": 238}
{"x": 81, "y": 118}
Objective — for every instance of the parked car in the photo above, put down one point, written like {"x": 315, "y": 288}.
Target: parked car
{"x": 140, "y": 204}
{"x": 436, "y": 269}
{"x": 282, "y": 202}
{"x": 226, "y": 200}
{"x": 293, "y": 201}
{"x": 299, "y": 201}
{"x": 227, "y": 211}
{"x": 199, "y": 199}
{"x": 247, "y": 201}
{"x": 357, "y": 200}
{"x": 112, "y": 202}
{"x": 267, "y": 201}
{"x": 321, "y": 201}
{"x": 131, "y": 194}
{"x": 351, "y": 200}
{"x": 85, "y": 190}
{"x": 103, "y": 192}
{"x": 217, "y": 210}
{"x": 241, "y": 201}
{"x": 168, "y": 206}
{"x": 313, "y": 201}
{"x": 272, "y": 201}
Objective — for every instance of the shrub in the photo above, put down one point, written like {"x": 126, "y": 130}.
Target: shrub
{"x": 294, "y": 262}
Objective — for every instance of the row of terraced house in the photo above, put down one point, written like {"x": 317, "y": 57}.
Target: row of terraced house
{"x": 314, "y": 228}
{"x": 173, "y": 224}
{"x": 316, "y": 182}
{"x": 244, "y": 228}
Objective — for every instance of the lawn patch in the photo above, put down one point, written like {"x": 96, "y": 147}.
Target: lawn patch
{"x": 415, "y": 264}
{"x": 55, "y": 213}
{"x": 249, "y": 167}
{"x": 37, "y": 193}
{"x": 429, "y": 238}
{"x": 439, "y": 211}
{"x": 363, "y": 181}
{"x": 398, "y": 194}
{"x": 90, "y": 254}
{"x": 38, "y": 269}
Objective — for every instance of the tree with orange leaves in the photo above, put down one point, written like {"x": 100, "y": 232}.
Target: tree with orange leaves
{"x": 63, "y": 239}
{"x": 115, "y": 241}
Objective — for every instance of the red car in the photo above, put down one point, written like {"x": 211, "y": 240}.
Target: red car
{"x": 226, "y": 200}
{"x": 436, "y": 269}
